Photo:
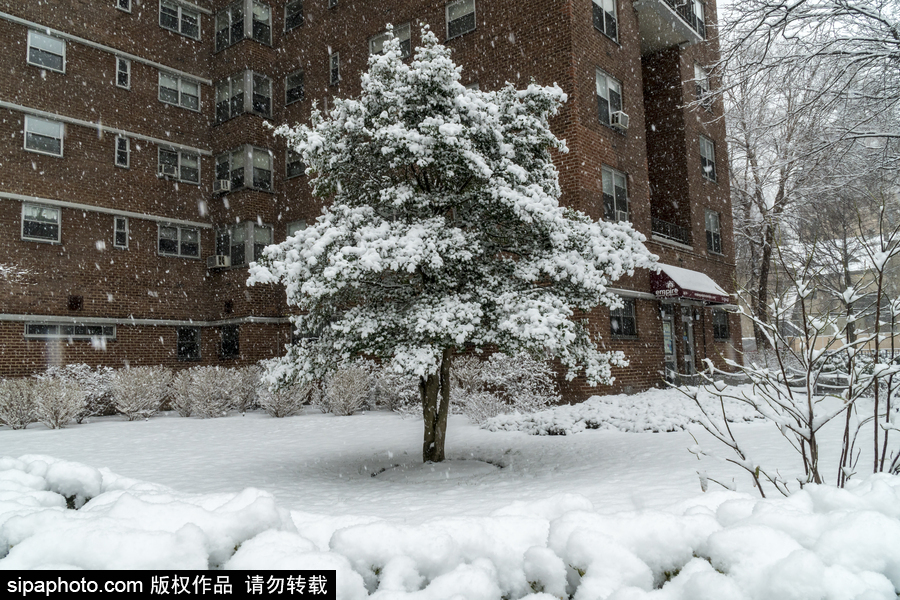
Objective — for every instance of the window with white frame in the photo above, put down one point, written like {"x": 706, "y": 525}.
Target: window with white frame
{"x": 708, "y": 158}
{"x": 180, "y": 165}
{"x": 43, "y": 136}
{"x": 295, "y": 226}
{"x": 460, "y": 18}
{"x": 334, "y": 67}
{"x": 401, "y": 32}
{"x": 123, "y": 152}
{"x": 701, "y": 79}
{"x": 246, "y": 167}
{"x": 293, "y": 88}
{"x": 615, "y": 195}
{"x": 605, "y": 18}
{"x": 244, "y": 242}
{"x": 46, "y": 51}
{"x": 294, "y": 166}
{"x": 188, "y": 347}
{"x": 233, "y": 24}
{"x": 623, "y": 321}
{"x": 72, "y": 331}
{"x": 293, "y": 15}
{"x": 175, "y": 240}
{"x": 123, "y": 73}
{"x": 120, "y": 232}
{"x": 124, "y": 5}
{"x": 179, "y": 91}
{"x": 179, "y": 18}
{"x": 713, "y": 232}
{"x": 232, "y": 101}
{"x": 698, "y": 17}
{"x": 40, "y": 223}
{"x": 609, "y": 97}
{"x": 720, "y": 325}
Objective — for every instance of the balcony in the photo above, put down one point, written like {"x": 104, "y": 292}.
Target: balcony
{"x": 666, "y": 23}
{"x": 670, "y": 231}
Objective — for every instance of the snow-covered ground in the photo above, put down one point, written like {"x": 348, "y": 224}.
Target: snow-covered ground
{"x": 508, "y": 515}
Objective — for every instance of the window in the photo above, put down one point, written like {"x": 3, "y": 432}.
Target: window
{"x": 697, "y": 17}
{"x": 180, "y": 165}
{"x": 40, "y": 223}
{"x": 43, "y": 136}
{"x": 609, "y": 97}
{"x": 123, "y": 152}
{"x": 713, "y": 232}
{"x": 294, "y": 165}
{"x": 79, "y": 331}
{"x": 622, "y": 321}
{"x": 120, "y": 232}
{"x": 189, "y": 343}
{"x": 334, "y": 61}
{"x": 615, "y": 195}
{"x": 179, "y": 18}
{"x": 231, "y": 341}
{"x": 179, "y": 91}
{"x": 708, "y": 158}
{"x": 605, "y": 18}
{"x": 231, "y": 100}
{"x": 232, "y": 26}
{"x": 124, "y": 5}
{"x": 460, "y": 18}
{"x": 295, "y": 226}
{"x": 175, "y": 240}
{"x": 243, "y": 243}
{"x": 232, "y": 166}
{"x": 46, "y": 52}
{"x": 293, "y": 15}
{"x": 123, "y": 73}
{"x": 293, "y": 88}
{"x": 701, "y": 79}
{"x": 401, "y": 32}
{"x": 720, "y": 325}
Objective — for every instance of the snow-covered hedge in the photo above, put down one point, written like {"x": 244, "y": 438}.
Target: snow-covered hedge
{"x": 94, "y": 383}
{"x": 820, "y": 542}
{"x": 18, "y": 403}
{"x": 346, "y": 390}
{"x": 287, "y": 401}
{"x": 140, "y": 391}
{"x": 647, "y": 411}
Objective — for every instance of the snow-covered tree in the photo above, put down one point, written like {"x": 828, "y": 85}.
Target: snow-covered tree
{"x": 443, "y": 232}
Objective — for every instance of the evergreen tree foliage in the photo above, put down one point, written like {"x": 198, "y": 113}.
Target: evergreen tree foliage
{"x": 443, "y": 231}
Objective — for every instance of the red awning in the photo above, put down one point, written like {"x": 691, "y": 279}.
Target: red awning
{"x": 675, "y": 282}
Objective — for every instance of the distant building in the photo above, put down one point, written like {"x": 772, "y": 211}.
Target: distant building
{"x": 139, "y": 177}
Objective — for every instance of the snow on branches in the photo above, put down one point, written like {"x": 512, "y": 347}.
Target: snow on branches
{"x": 444, "y": 228}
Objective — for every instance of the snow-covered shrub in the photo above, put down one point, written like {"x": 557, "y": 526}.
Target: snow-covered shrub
{"x": 288, "y": 401}
{"x": 346, "y": 390}
{"x": 59, "y": 401}
{"x": 18, "y": 403}
{"x": 483, "y": 389}
{"x": 93, "y": 382}
{"x": 140, "y": 391}
{"x": 397, "y": 391}
{"x": 247, "y": 397}
{"x": 214, "y": 390}
{"x": 182, "y": 393}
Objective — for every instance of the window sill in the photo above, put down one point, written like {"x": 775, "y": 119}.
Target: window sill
{"x": 178, "y": 256}
{"x": 189, "y": 359}
{"x": 620, "y": 131}
{"x": 45, "y": 68}
{"x": 42, "y": 241}
{"x": 607, "y": 36}
{"x": 626, "y": 338}
{"x": 42, "y": 152}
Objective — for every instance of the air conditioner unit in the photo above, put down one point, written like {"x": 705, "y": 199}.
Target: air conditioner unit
{"x": 218, "y": 261}
{"x": 168, "y": 170}
{"x": 621, "y": 215}
{"x": 619, "y": 119}
{"x": 221, "y": 186}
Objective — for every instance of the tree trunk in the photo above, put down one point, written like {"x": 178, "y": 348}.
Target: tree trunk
{"x": 435, "y": 411}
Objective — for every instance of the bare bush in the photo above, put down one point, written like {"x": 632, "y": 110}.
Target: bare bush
{"x": 93, "y": 382}
{"x": 248, "y": 394}
{"x": 182, "y": 396}
{"x": 397, "y": 392}
{"x": 59, "y": 401}
{"x": 288, "y": 401}
{"x": 140, "y": 391}
{"x": 214, "y": 390}
{"x": 18, "y": 403}
{"x": 502, "y": 384}
{"x": 346, "y": 390}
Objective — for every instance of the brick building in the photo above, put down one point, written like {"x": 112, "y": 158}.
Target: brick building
{"x": 139, "y": 174}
